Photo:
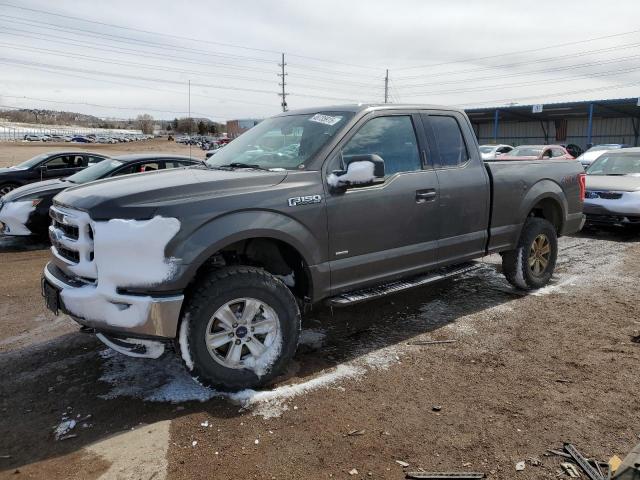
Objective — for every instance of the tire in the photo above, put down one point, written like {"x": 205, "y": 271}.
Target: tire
{"x": 216, "y": 309}
{"x": 6, "y": 188}
{"x": 531, "y": 265}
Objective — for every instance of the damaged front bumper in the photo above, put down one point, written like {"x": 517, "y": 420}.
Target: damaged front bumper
{"x": 160, "y": 320}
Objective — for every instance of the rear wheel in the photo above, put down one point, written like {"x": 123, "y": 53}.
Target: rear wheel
{"x": 531, "y": 264}
{"x": 6, "y": 188}
{"x": 240, "y": 328}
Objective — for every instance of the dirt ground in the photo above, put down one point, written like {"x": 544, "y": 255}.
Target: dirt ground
{"x": 525, "y": 373}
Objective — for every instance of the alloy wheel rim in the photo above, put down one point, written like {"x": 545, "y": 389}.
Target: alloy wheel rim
{"x": 5, "y": 190}
{"x": 242, "y": 332}
{"x": 539, "y": 254}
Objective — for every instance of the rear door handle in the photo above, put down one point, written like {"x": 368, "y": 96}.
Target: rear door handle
{"x": 426, "y": 195}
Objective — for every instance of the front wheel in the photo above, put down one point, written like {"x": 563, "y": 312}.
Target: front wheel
{"x": 531, "y": 264}
{"x": 239, "y": 329}
{"x": 6, "y": 188}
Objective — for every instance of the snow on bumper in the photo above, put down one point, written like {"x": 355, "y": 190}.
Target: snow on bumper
{"x": 14, "y": 217}
{"x": 109, "y": 257}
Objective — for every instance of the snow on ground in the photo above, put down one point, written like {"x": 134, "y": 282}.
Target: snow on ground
{"x": 166, "y": 379}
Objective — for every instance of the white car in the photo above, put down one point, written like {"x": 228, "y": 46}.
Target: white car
{"x": 588, "y": 157}
{"x": 489, "y": 152}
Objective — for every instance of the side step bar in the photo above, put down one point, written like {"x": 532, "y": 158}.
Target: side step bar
{"x": 357, "y": 296}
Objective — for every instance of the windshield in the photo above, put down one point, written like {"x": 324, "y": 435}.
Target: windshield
{"x": 281, "y": 142}
{"x": 96, "y": 171}
{"x": 612, "y": 164}
{"x": 33, "y": 161}
{"x": 525, "y": 152}
{"x": 488, "y": 149}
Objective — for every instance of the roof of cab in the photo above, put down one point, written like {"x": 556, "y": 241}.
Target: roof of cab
{"x": 133, "y": 157}
{"x": 359, "y": 107}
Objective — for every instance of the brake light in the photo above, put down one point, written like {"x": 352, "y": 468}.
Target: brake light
{"x": 582, "y": 181}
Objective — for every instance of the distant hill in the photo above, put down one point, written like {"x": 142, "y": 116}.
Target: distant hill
{"x": 55, "y": 117}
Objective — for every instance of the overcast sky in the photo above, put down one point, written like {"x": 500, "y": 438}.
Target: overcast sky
{"x": 466, "y": 53}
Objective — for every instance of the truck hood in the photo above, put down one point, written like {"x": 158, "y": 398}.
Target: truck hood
{"x": 618, "y": 183}
{"x": 37, "y": 189}
{"x": 140, "y": 195}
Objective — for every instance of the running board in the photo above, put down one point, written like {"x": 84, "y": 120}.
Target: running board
{"x": 357, "y": 296}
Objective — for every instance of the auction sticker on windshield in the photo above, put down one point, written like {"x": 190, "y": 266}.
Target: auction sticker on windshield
{"x": 325, "y": 119}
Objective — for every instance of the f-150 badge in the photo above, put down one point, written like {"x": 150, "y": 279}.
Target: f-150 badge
{"x": 306, "y": 200}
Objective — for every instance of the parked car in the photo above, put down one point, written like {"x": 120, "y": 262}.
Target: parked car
{"x": 588, "y": 157}
{"x": 34, "y": 138}
{"x": 81, "y": 139}
{"x": 574, "y": 150}
{"x": 45, "y": 167}
{"x": 537, "y": 152}
{"x": 25, "y": 210}
{"x": 218, "y": 261}
{"x": 492, "y": 151}
{"x": 613, "y": 189}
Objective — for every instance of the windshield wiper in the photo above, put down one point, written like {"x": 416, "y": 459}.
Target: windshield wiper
{"x": 242, "y": 165}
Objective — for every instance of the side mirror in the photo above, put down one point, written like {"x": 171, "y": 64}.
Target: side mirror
{"x": 360, "y": 170}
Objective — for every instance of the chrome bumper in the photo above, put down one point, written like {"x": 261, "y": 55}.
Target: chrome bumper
{"x": 161, "y": 321}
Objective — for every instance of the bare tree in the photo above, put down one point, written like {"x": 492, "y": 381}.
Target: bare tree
{"x": 145, "y": 123}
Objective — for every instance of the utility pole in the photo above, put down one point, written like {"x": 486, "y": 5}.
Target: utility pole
{"x": 282, "y": 84}
{"x": 386, "y": 87}
{"x": 189, "y": 90}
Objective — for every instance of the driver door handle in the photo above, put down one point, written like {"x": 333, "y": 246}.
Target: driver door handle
{"x": 428, "y": 195}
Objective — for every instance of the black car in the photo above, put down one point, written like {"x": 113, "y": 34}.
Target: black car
{"x": 25, "y": 210}
{"x": 44, "y": 167}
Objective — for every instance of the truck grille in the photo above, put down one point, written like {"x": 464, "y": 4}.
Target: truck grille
{"x": 71, "y": 238}
{"x": 604, "y": 195}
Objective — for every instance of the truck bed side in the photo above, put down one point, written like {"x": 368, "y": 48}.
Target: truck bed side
{"x": 519, "y": 189}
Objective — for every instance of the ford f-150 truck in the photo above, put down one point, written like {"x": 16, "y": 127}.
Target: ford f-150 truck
{"x": 337, "y": 205}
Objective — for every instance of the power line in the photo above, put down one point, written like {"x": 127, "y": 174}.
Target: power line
{"x": 559, "y": 94}
{"x": 524, "y": 84}
{"x": 532, "y": 50}
{"x": 527, "y": 62}
{"x": 199, "y": 40}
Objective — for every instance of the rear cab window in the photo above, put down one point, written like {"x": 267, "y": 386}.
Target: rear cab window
{"x": 449, "y": 139}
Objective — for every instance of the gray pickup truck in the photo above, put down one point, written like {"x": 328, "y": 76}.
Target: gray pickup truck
{"x": 336, "y": 205}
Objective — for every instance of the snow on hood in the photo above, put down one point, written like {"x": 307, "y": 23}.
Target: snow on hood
{"x": 15, "y": 216}
{"x": 127, "y": 253}
{"x": 618, "y": 183}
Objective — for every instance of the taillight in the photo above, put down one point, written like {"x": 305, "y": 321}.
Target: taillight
{"x": 582, "y": 181}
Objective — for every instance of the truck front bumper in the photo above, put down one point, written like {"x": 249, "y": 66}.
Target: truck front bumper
{"x": 160, "y": 319}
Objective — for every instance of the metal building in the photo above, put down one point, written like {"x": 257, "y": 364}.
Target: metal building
{"x": 582, "y": 123}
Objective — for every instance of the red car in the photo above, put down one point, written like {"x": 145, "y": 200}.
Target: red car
{"x": 537, "y": 152}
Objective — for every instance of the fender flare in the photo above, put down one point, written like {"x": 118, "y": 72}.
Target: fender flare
{"x": 543, "y": 190}
{"x": 212, "y": 236}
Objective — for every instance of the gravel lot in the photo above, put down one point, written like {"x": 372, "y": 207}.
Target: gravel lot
{"x": 525, "y": 373}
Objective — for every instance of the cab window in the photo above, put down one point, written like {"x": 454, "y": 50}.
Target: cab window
{"x": 450, "y": 141}
{"x": 392, "y": 138}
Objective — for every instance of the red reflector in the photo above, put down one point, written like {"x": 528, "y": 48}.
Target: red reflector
{"x": 582, "y": 181}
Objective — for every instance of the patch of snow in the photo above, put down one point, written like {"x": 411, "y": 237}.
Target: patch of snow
{"x": 64, "y": 428}
{"x": 128, "y": 253}
{"x": 312, "y": 337}
{"x": 15, "y": 216}
{"x": 153, "y": 348}
{"x": 262, "y": 365}
{"x": 519, "y": 272}
{"x": 289, "y": 280}
{"x": 357, "y": 173}
{"x": 272, "y": 403}
{"x": 555, "y": 287}
{"x": 184, "y": 343}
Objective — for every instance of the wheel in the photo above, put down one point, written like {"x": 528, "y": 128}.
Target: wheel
{"x": 531, "y": 264}
{"x": 6, "y": 188}
{"x": 240, "y": 328}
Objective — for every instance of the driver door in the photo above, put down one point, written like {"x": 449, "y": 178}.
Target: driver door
{"x": 382, "y": 231}
{"x": 64, "y": 166}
